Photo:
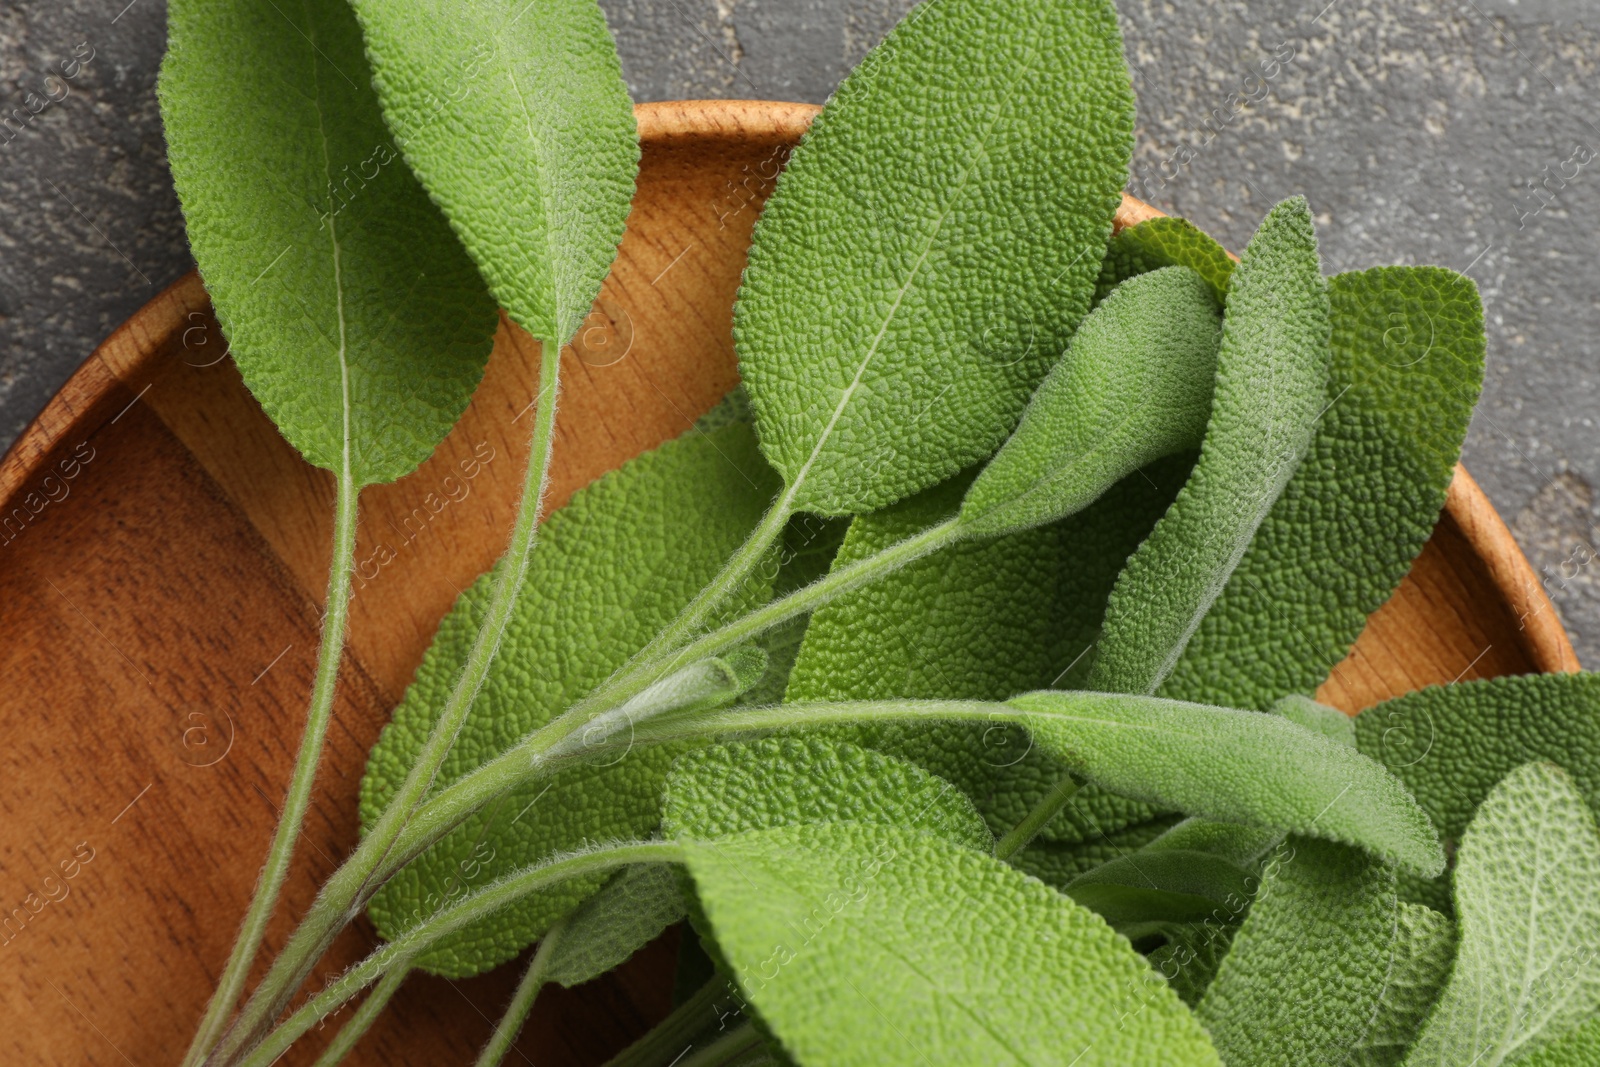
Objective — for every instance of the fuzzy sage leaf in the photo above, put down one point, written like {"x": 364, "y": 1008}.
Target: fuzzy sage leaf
{"x": 350, "y": 308}
{"x": 1425, "y": 947}
{"x": 531, "y": 151}
{"x": 1164, "y": 242}
{"x": 925, "y": 257}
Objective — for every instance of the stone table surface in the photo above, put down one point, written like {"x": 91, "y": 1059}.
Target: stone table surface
{"x": 1420, "y": 132}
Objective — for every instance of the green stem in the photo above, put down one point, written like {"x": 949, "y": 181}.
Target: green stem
{"x": 281, "y": 851}
{"x": 516, "y": 1013}
{"x": 339, "y": 895}
{"x": 408, "y": 945}
{"x": 725, "y": 1049}
{"x": 358, "y": 1024}
{"x": 672, "y": 1036}
{"x": 1036, "y": 819}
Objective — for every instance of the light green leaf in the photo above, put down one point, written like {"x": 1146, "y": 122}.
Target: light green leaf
{"x": 1407, "y": 365}
{"x": 1164, "y": 242}
{"x": 1234, "y": 766}
{"x": 979, "y": 620}
{"x": 627, "y": 914}
{"x": 1055, "y": 863}
{"x": 1303, "y": 979}
{"x": 601, "y": 582}
{"x": 1271, "y": 375}
{"x": 350, "y": 309}
{"x": 1134, "y": 386}
{"x": 728, "y": 789}
{"x": 1242, "y": 846}
{"x": 862, "y": 944}
{"x": 1423, "y": 953}
{"x": 1162, "y": 885}
{"x": 1452, "y": 744}
{"x": 1527, "y": 889}
{"x": 1331, "y": 723}
{"x": 1580, "y": 1048}
{"x": 515, "y": 117}
{"x": 925, "y": 255}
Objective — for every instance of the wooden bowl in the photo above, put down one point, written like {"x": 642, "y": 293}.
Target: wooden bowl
{"x": 163, "y": 554}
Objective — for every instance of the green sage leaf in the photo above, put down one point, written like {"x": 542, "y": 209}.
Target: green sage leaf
{"x": 350, "y": 308}
{"x": 862, "y": 944}
{"x": 1424, "y": 951}
{"x": 1271, "y": 375}
{"x": 515, "y": 117}
{"x": 628, "y": 913}
{"x": 1579, "y": 1048}
{"x": 925, "y": 256}
{"x": 1527, "y": 889}
{"x": 1164, "y": 242}
{"x": 1303, "y": 980}
{"x": 1134, "y": 386}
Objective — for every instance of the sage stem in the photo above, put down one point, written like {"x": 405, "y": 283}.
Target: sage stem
{"x": 516, "y": 1013}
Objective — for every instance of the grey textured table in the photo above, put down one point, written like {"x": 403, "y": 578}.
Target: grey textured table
{"x": 1418, "y": 130}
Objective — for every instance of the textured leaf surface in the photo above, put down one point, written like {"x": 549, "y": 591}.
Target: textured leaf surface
{"x": 728, "y": 789}
{"x": 628, "y": 913}
{"x": 1134, "y": 386}
{"x": 863, "y": 944}
{"x": 1407, "y": 365}
{"x": 1055, "y": 863}
{"x": 1234, "y": 766}
{"x": 925, "y": 256}
{"x": 1580, "y": 1048}
{"x": 1331, "y": 723}
{"x": 1306, "y": 971}
{"x": 1271, "y": 375}
{"x": 1163, "y": 885}
{"x": 979, "y": 621}
{"x": 341, "y": 289}
{"x": 1527, "y": 889}
{"x": 1164, "y": 242}
{"x": 604, "y": 578}
{"x": 1193, "y": 954}
{"x": 1425, "y": 948}
{"x": 531, "y": 151}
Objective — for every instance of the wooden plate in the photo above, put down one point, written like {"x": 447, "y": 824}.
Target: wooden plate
{"x": 163, "y": 554}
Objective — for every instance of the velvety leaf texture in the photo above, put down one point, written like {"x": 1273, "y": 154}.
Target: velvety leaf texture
{"x": 1271, "y": 373}
{"x": 1306, "y": 971}
{"x": 603, "y": 580}
{"x": 865, "y": 945}
{"x": 1134, "y": 386}
{"x": 979, "y": 621}
{"x": 1164, "y": 242}
{"x": 728, "y": 789}
{"x": 1193, "y": 954}
{"x": 1163, "y": 885}
{"x": 1424, "y": 951}
{"x": 516, "y": 118}
{"x": 624, "y": 916}
{"x": 925, "y": 255}
{"x": 1055, "y": 863}
{"x": 1234, "y": 766}
{"x": 1580, "y": 1048}
{"x": 1408, "y": 352}
{"x": 1527, "y": 889}
{"x": 1330, "y": 722}
{"x": 350, "y": 308}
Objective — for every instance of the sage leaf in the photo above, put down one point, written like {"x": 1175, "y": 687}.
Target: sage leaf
{"x": 1271, "y": 373}
{"x": 1055, "y": 862}
{"x": 1134, "y": 386}
{"x": 1579, "y": 1048}
{"x": 728, "y": 789}
{"x": 600, "y": 583}
{"x": 1306, "y": 971}
{"x": 1331, "y": 723}
{"x": 350, "y": 308}
{"x": 863, "y": 944}
{"x": 515, "y": 117}
{"x": 925, "y": 256}
{"x": 1193, "y": 954}
{"x": 1527, "y": 889}
{"x": 1234, "y": 766}
{"x": 624, "y": 916}
{"x": 1408, "y": 351}
{"x": 1243, "y": 846}
{"x": 1164, "y": 242}
{"x": 1424, "y": 951}
{"x": 1161, "y": 885}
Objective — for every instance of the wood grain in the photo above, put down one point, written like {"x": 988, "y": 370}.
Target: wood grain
{"x": 162, "y": 559}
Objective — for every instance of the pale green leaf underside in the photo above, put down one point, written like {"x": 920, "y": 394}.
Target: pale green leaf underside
{"x": 341, "y": 289}
{"x": 515, "y": 116}
{"x": 1424, "y": 951}
{"x": 925, "y": 255}
{"x": 1580, "y": 1048}
{"x": 624, "y": 916}
{"x": 1527, "y": 893}
{"x": 1303, "y": 980}
{"x": 1330, "y": 722}
{"x": 728, "y": 789}
{"x": 1164, "y": 242}
{"x": 1134, "y": 385}
{"x": 601, "y": 582}
{"x": 1408, "y": 350}
{"x": 1234, "y": 766}
{"x": 1271, "y": 376}
{"x": 862, "y": 944}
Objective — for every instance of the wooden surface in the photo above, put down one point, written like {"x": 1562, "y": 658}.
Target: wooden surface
{"x": 162, "y": 559}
